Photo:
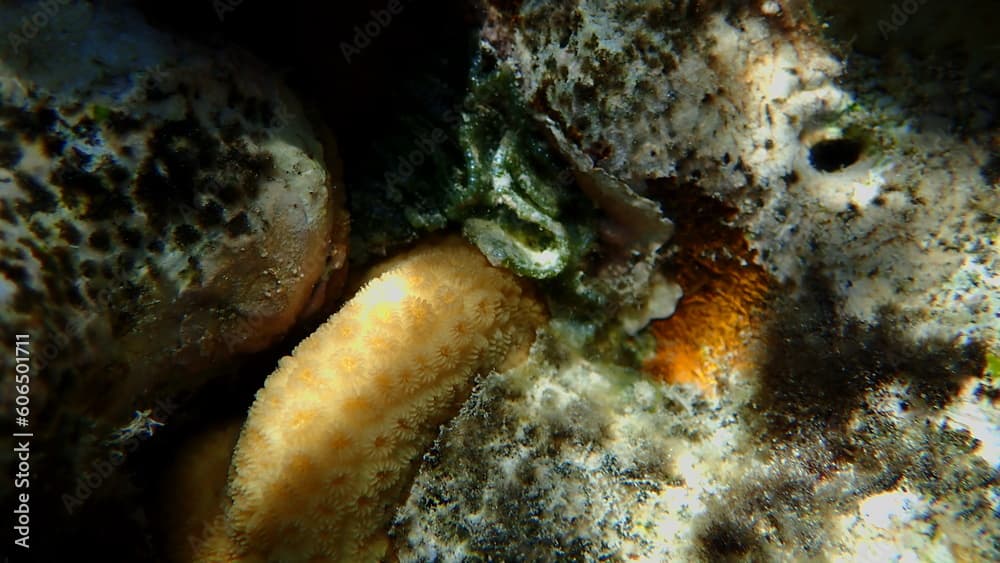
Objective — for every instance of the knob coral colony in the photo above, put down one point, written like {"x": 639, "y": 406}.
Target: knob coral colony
{"x": 333, "y": 438}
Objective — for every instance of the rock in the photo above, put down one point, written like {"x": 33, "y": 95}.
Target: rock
{"x": 566, "y": 458}
{"x": 851, "y": 172}
{"x": 860, "y": 420}
{"x": 165, "y": 209}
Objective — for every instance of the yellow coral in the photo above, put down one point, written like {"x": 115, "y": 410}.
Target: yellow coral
{"x": 193, "y": 488}
{"x": 334, "y": 437}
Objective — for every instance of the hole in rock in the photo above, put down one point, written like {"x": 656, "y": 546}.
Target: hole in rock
{"x": 834, "y": 154}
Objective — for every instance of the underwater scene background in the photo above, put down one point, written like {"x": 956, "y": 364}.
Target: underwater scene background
{"x": 563, "y": 280}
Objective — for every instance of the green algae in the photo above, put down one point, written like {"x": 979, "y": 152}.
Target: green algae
{"x": 992, "y": 366}
{"x": 481, "y": 163}
{"x": 100, "y": 113}
{"x": 485, "y": 167}
{"x": 508, "y": 164}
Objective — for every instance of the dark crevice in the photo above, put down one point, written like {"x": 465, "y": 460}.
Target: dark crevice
{"x": 834, "y": 154}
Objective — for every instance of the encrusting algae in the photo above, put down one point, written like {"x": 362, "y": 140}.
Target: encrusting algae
{"x": 334, "y": 437}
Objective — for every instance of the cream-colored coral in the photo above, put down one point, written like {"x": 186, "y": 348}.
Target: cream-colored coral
{"x": 334, "y": 437}
{"x": 193, "y": 488}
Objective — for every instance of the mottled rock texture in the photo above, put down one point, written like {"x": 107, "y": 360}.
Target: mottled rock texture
{"x": 164, "y": 208}
{"x": 864, "y": 425}
{"x": 876, "y": 173}
{"x": 570, "y": 459}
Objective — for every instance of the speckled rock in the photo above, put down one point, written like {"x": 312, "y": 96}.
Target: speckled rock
{"x": 861, "y": 423}
{"x": 852, "y": 171}
{"x": 575, "y": 460}
{"x": 164, "y": 209}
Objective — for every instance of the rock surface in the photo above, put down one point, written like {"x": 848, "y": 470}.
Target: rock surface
{"x": 164, "y": 209}
{"x": 861, "y": 421}
{"x": 827, "y": 451}
{"x": 851, "y": 171}
{"x": 832, "y": 363}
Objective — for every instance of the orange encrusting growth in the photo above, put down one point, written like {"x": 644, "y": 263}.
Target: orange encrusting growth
{"x": 724, "y": 289}
{"x": 335, "y": 435}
